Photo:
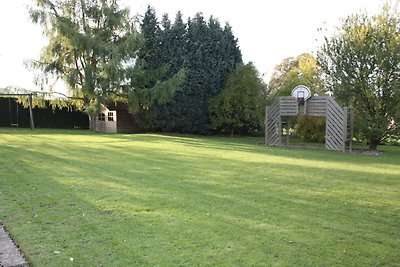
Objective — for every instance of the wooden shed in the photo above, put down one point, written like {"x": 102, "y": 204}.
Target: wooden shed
{"x": 113, "y": 118}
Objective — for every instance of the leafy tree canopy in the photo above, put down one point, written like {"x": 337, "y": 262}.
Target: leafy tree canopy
{"x": 362, "y": 66}
{"x": 239, "y": 107}
{"x": 91, "y": 46}
{"x": 291, "y": 72}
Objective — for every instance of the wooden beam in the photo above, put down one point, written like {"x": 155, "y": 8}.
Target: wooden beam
{"x": 30, "y": 112}
{"x": 15, "y": 94}
{"x": 266, "y": 125}
{"x": 345, "y": 111}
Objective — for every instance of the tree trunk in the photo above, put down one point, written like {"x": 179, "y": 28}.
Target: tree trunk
{"x": 92, "y": 122}
{"x": 233, "y": 130}
{"x": 373, "y": 143}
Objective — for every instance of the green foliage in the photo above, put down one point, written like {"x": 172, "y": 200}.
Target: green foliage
{"x": 156, "y": 77}
{"x": 149, "y": 53}
{"x": 205, "y": 50}
{"x": 212, "y": 53}
{"x": 91, "y": 45}
{"x": 310, "y": 128}
{"x": 151, "y": 78}
{"x": 161, "y": 92}
{"x": 295, "y": 71}
{"x": 239, "y": 107}
{"x": 362, "y": 66}
{"x": 40, "y": 101}
{"x": 167, "y": 73}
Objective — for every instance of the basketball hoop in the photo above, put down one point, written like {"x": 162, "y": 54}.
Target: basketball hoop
{"x": 300, "y": 98}
{"x": 301, "y": 93}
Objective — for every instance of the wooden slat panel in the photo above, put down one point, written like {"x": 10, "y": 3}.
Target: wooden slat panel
{"x": 337, "y": 124}
{"x": 335, "y": 120}
{"x": 331, "y": 145}
{"x": 273, "y": 132}
{"x": 288, "y": 106}
{"x": 273, "y": 113}
{"x": 337, "y": 131}
{"x": 272, "y": 121}
{"x": 266, "y": 126}
{"x": 334, "y": 134}
{"x": 316, "y": 106}
{"x": 288, "y": 114}
{"x": 335, "y": 112}
{"x": 334, "y": 126}
{"x": 332, "y": 137}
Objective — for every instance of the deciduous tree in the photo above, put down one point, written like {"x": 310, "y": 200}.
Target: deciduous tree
{"x": 294, "y": 71}
{"x": 362, "y": 66}
{"x": 239, "y": 107}
{"x": 91, "y": 45}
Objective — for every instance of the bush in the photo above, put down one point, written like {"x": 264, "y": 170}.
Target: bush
{"x": 310, "y": 128}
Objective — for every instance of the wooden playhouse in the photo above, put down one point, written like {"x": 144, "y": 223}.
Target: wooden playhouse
{"x": 113, "y": 118}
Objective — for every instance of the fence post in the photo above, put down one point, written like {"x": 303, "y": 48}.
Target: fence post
{"x": 351, "y": 129}
{"x": 30, "y": 112}
{"x": 266, "y": 125}
{"x": 345, "y": 111}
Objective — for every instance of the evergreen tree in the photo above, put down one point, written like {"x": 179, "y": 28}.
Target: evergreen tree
{"x": 174, "y": 52}
{"x": 155, "y": 84}
{"x": 212, "y": 53}
{"x": 206, "y": 51}
{"x": 149, "y": 54}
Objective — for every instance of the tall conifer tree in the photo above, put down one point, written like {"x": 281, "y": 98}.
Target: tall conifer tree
{"x": 206, "y": 51}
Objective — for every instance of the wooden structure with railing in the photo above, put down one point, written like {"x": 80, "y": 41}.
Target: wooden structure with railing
{"x": 339, "y": 121}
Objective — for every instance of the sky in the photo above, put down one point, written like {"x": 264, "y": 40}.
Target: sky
{"x": 268, "y": 31}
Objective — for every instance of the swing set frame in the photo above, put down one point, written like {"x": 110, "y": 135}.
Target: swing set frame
{"x": 32, "y": 123}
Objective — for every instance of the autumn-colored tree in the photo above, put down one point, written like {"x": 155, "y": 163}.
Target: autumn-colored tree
{"x": 294, "y": 71}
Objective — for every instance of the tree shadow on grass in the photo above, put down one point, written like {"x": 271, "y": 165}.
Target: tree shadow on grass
{"x": 242, "y": 144}
{"x": 173, "y": 209}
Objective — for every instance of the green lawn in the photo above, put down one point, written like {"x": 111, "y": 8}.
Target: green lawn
{"x": 163, "y": 200}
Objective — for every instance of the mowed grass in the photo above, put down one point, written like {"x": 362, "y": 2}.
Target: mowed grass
{"x": 74, "y": 198}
